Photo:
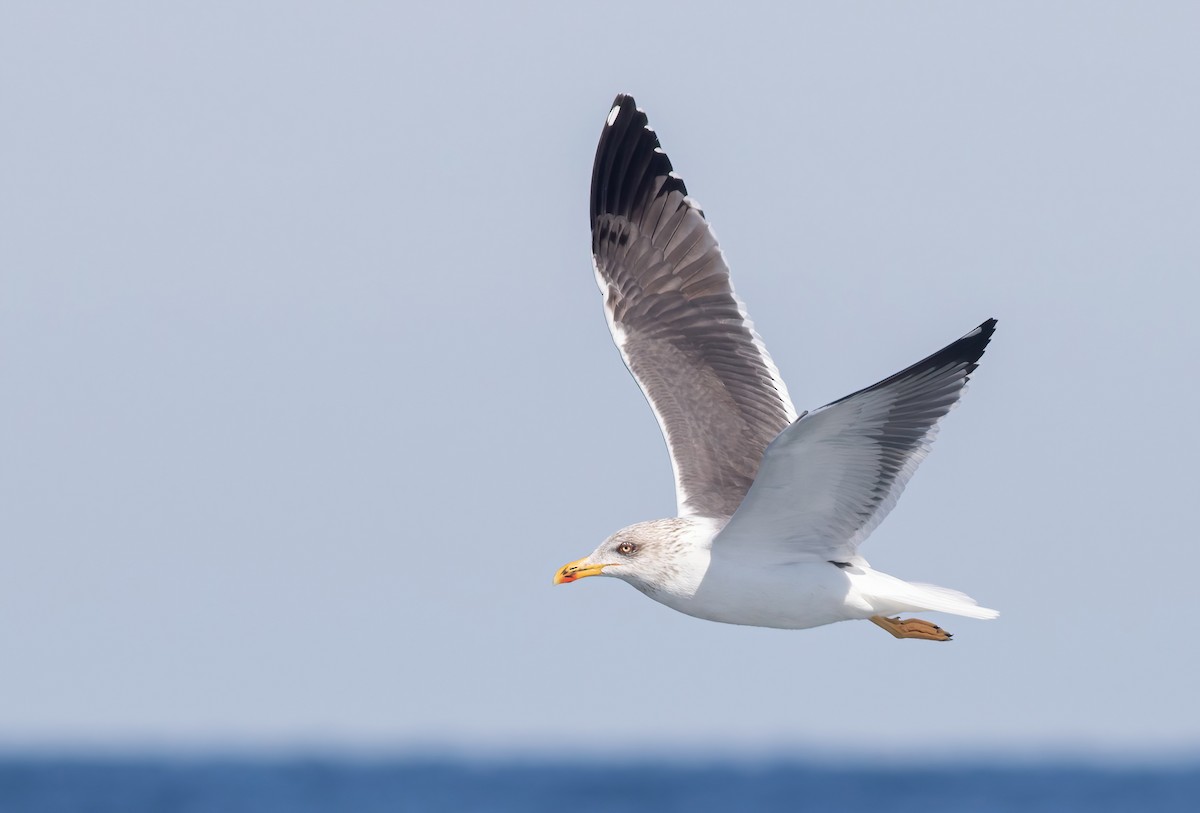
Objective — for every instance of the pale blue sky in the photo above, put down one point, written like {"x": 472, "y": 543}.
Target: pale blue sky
{"x": 307, "y": 388}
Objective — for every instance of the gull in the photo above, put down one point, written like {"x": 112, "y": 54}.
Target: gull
{"x": 772, "y": 505}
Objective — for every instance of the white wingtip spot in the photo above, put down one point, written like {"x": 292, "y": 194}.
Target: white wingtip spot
{"x": 974, "y": 332}
{"x": 612, "y": 114}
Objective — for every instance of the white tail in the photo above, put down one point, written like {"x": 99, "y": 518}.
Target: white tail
{"x": 945, "y": 600}
{"x": 891, "y": 595}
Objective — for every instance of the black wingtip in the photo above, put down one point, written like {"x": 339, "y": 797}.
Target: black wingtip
{"x": 625, "y": 101}
{"x": 970, "y": 347}
{"x": 629, "y": 158}
{"x": 985, "y": 330}
{"x": 966, "y": 351}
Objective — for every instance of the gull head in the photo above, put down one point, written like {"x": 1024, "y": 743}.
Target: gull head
{"x": 663, "y": 554}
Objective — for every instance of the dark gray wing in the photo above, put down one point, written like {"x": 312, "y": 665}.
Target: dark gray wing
{"x": 681, "y": 330}
{"x": 831, "y": 477}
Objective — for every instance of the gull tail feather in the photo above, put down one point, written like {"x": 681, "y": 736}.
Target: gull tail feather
{"x": 944, "y": 600}
{"x": 889, "y": 595}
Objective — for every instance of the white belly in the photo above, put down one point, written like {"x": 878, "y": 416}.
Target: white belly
{"x": 792, "y": 596}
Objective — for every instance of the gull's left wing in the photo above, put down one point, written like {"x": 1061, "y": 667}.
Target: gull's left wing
{"x": 831, "y": 477}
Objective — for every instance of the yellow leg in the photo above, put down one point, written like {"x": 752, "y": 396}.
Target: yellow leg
{"x": 911, "y": 628}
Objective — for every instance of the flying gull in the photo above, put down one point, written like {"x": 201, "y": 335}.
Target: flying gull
{"x": 772, "y": 505}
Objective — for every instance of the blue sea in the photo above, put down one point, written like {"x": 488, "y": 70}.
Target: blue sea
{"x": 306, "y": 786}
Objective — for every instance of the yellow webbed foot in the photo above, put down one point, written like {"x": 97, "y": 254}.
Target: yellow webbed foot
{"x": 911, "y": 628}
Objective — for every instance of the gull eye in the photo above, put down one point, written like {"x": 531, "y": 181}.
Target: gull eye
{"x": 626, "y": 548}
